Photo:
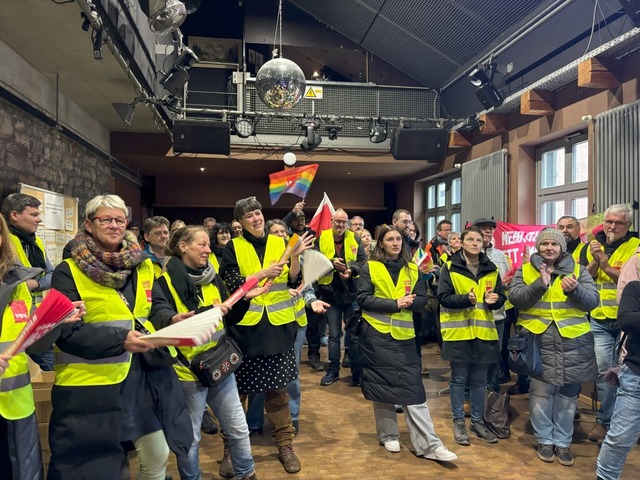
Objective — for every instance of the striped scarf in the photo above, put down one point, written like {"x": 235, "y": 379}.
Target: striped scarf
{"x": 109, "y": 269}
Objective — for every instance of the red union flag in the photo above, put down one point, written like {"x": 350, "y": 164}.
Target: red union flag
{"x": 322, "y": 218}
{"x": 514, "y": 240}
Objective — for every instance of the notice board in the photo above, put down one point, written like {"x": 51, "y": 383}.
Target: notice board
{"x": 59, "y": 220}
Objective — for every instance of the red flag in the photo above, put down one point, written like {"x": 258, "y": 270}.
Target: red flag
{"x": 322, "y": 218}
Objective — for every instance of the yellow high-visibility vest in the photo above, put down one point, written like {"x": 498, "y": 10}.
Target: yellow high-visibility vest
{"x": 213, "y": 260}
{"x": 553, "y": 307}
{"x": 576, "y": 253}
{"x": 210, "y": 296}
{"x": 328, "y": 249}
{"x": 399, "y": 325}
{"x": 608, "y": 307}
{"x": 473, "y": 322}
{"x": 105, "y": 307}
{"x": 36, "y": 297}
{"x": 16, "y": 394}
{"x": 276, "y": 302}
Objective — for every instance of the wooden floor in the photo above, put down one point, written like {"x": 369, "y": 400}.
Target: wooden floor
{"x": 337, "y": 440}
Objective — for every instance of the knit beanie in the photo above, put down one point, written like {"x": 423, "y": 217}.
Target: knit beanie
{"x": 551, "y": 234}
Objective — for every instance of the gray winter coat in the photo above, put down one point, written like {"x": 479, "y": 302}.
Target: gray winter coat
{"x": 564, "y": 360}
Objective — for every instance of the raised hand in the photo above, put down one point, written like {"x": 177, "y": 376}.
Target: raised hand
{"x": 255, "y": 292}
{"x": 490, "y": 298}
{"x": 274, "y": 271}
{"x": 545, "y": 275}
{"x": 298, "y": 207}
{"x": 4, "y": 363}
{"x": 305, "y": 243}
{"x": 569, "y": 284}
{"x": 472, "y": 297}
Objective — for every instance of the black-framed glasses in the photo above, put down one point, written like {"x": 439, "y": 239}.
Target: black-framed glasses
{"x": 104, "y": 221}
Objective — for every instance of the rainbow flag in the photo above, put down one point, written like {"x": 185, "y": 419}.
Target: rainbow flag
{"x": 292, "y": 180}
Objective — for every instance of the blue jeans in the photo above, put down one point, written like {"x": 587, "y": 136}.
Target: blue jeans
{"x": 606, "y": 336}
{"x": 225, "y": 403}
{"x": 255, "y": 404}
{"x": 552, "y": 409}
{"x": 477, "y": 375}
{"x": 336, "y": 314}
{"x": 624, "y": 429}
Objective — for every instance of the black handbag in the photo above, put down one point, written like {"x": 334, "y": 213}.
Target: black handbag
{"x": 214, "y": 365}
{"x": 353, "y": 323}
{"x": 524, "y": 354}
{"x": 496, "y": 413}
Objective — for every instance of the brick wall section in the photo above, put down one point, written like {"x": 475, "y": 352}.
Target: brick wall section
{"x": 31, "y": 152}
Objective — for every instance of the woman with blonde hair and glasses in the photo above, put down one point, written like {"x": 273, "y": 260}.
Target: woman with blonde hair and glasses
{"x": 110, "y": 388}
{"x": 389, "y": 290}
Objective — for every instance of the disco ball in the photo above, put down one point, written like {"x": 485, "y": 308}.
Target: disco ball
{"x": 280, "y": 84}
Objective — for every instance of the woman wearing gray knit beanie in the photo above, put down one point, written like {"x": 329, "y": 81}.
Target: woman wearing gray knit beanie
{"x": 553, "y": 295}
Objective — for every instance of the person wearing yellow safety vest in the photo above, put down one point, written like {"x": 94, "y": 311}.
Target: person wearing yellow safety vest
{"x": 604, "y": 258}
{"x": 19, "y": 443}
{"x": 553, "y": 295}
{"x": 112, "y": 388}
{"x": 469, "y": 291}
{"x": 190, "y": 284}
{"x": 267, "y": 332}
{"x": 218, "y": 238}
{"x": 338, "y": 288}
{"x": 156, "y": 240}
{"x": 22, "y": 213}
{"x": 307, "y": 301}
{"x": 488, "y": 227}
{"x": 389, "y": 291}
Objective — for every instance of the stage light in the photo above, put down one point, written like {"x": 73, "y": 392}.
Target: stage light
{"x": 244, "y": 127}
{"x": 98, "y": 41}
{"x": 487, "y": 93}
{"x": 378, "y": 131}
{"x": 289, "y": 159}
{"x": 177, "y": 77}
{"x": 165, "y": 16}
{"x": 312, "y": 137}
{"x": 332, "y": 131}
{"x": 126, "y": 110}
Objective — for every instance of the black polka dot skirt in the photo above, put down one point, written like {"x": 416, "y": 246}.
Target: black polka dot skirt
{"x": 263, "y": 373}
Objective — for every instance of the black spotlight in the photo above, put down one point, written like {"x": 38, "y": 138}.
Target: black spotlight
{"x": 487, "y": 93}
{"x": 378, "y": 131}
{"x": 175, "y": 79}
{"x": 312, "y": 138}
{"x": 332, "y": 131}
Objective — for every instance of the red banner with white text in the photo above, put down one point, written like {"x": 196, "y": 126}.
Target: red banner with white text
{"x": 514, "y": 240}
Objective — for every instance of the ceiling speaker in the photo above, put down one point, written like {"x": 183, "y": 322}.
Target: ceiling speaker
{"x": 429, "y": 144}
{"x": 201, "y": 136}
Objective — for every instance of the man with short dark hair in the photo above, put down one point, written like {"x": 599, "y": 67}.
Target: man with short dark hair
{"x": 24, "y": 216}
{"x": 401, "y": 219}
{"x": 439, "y": 243}
{"x": 156, "y": 237}
{"x": 570, "y": 228}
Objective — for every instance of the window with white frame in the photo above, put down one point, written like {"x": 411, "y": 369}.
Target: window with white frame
{"x": 444, "y": 200}
{"x": 562, "y": 174}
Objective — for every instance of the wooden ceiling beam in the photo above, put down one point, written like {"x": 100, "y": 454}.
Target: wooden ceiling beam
{"x": 537, "y": 102}
{"x": 493, "y": 124}
{"x": 598, "y": 72}
{"x": 458, "y": 140}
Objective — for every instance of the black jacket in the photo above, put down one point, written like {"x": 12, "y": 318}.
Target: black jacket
{"x": 629, "y": 321}
{"x": 476, "y": 350}
{"x": 390, "y": 367}
{"x": 85, "y": 430}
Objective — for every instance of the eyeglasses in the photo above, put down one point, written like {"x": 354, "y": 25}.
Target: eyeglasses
{"x": 340, "y": 222}
{"x": 160, "y": 233}
{"x": 357, "y": 224}
{"x": 104, "y": 221}
{"x": 611, "y": 223}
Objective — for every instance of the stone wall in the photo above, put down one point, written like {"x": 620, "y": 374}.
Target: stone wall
{"x": 34, "y": 153}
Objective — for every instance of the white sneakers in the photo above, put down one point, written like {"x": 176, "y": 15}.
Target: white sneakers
{"x": 440, "y": 454}
{"x": 392, "y": 446}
